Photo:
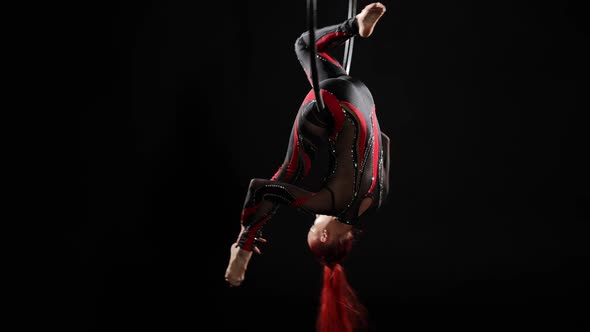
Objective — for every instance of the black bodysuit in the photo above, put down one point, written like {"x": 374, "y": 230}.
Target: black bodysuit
{"x": 347, "y": 130}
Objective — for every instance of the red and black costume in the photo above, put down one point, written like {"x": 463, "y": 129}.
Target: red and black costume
{"x": 346, "y": 132}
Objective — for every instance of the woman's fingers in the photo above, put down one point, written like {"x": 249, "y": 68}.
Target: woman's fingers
{"x": 261, "y": 240}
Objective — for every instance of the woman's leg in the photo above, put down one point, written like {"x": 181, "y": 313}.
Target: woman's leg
{"x": 265, "y": 196}
{"x": 330, "y": 37}
{"x": 327, "y": 38}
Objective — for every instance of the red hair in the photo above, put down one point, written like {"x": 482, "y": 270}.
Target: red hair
{"x": 340, "y": 309}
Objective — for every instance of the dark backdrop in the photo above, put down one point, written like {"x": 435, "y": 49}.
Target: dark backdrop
{"x": 182, "y": 103}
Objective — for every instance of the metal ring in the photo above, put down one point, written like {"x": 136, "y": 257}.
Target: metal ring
{"x": 311, "y": 23}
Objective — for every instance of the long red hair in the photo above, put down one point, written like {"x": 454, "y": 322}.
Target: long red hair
{"x": 340, "y": 309}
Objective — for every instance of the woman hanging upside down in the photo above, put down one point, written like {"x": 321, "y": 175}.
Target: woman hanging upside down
{"x": 355, "y": 176}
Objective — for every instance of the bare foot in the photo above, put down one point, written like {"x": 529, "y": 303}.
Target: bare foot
{"x": 368, "y": 17}
{"x": 238, "y": 264}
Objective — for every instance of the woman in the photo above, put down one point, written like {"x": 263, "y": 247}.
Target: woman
{"x": 355, "y": 176}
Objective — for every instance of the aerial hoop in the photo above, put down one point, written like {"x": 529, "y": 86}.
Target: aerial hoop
{"x": 350, "y": 42}
{"x": 311, "y": 24}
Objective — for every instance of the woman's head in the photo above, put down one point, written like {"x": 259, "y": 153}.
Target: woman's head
{"x": 340, "y": 309}
{"x": 329, "y": 239}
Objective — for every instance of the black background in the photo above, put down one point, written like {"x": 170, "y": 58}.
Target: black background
{"x": 179, "y": 104}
